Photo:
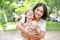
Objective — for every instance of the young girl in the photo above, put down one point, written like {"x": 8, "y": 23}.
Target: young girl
{"x": 30, "y": 26}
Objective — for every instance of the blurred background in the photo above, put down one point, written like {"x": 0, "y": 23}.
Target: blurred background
{"x": 11, "y": 11}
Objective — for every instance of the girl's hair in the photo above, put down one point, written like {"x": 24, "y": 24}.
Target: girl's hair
{"x": 45, "y": 10}
{"x": 25, "y": 20}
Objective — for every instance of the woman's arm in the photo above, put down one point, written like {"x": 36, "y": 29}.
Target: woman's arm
{"x": 20, "y": 23}
{"x": 42, "y": 34}
{"x": 20, "y": 26}
{"x": 42, "y": 29}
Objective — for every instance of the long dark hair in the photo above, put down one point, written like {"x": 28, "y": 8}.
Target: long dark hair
{"x": 45, "y": 10}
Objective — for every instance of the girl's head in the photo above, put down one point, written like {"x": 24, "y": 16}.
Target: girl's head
{"x": 40, "y": 11}
{"x": 29, "y": 14}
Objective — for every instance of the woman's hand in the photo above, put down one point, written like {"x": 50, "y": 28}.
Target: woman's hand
{"x": 34, "y": 36}
{"x": 20, "y": 27}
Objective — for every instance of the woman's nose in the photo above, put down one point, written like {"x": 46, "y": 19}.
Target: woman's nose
{"x": 38, "y": 12}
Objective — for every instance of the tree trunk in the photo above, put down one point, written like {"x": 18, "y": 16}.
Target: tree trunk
{"x": 5, "y": 15}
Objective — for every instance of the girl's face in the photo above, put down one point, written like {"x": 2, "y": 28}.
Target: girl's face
{"x": 30, "y": 14}
{"x": 39, "y": 11}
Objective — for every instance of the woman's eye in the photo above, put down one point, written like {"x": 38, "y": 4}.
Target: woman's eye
{"x": 41, "y": 11}
{"x": 37, "y": 9}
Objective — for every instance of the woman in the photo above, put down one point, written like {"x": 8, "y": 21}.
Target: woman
{"x": 40, "y": 12}
{"x": 40, "y": 15}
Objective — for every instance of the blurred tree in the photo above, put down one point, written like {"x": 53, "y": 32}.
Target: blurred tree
{"x": 25, "y": 5}
{"x": 53, "y": 5}
{"x": 6, "y": 12}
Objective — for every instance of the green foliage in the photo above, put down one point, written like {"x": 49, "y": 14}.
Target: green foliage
{"x": 52, "y": 4}
{"x": 12, "y": 5}
{"x": 1, "y": 14}
{"x": 27, "y": 4}
{"x": 0, "y": 2}
{"x": 5, "y": 4}
{"x": 3, "y": 24}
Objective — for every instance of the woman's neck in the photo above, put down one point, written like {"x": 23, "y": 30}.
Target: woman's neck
{"x": 37, "y": 19}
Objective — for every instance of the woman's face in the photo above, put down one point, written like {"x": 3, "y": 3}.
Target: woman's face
{"x": 39, "y": 11}
{"x": 30, "y": 14}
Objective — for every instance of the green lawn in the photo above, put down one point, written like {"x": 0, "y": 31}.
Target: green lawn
{"x": 53, "y": 25}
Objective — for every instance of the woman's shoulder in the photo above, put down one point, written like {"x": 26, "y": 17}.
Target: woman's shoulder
{"x": 42, "y": 21}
